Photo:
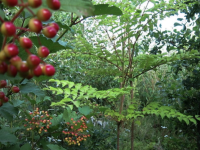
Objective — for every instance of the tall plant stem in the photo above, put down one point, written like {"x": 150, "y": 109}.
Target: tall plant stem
{"x": 132, "y": 124}
{"x": 118, "y": 134}
{"x": 132, "y": 135}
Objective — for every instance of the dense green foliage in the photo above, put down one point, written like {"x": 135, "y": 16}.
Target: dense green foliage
{"x": 111, "y": 69}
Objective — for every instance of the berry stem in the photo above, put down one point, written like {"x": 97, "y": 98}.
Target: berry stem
{"x": 25, "y": 29}
{"x": 23, "y": 4}
{"x": 4, "y": 42}
{"x": 28, "y": 52}
{"x": 1, "y": 19}
{"x": 30, "y": 11}
{"x": 17, "y": 14}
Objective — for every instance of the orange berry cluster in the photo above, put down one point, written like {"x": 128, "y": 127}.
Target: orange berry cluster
{"x": 10, "y": 62}
{"x": 76, "y": 135}
{"x": 39, "y": 121}
{"x": 3, "y": 97}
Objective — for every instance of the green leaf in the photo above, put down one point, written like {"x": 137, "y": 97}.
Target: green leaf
{"x": 31, "y": 88}
{"x": 70, "y": 84}
{"x": 68, "y": 114}
{"x": 179, "y": 19}
{"x": 7, "y": 111}
{"x": 56, "y": 120}
{"x": 138, "y": 122}
{"x": 2, "y": 15}
{"x": 80, "y": 7}
{"x": 193, "y": 120}
{"x": 162, "y": 115}
{"x": 104, "y": 9}
{"x": 7, "y": 77}
{"x": 67, "y": 91}
{"x": 64, "y": 26}
{"x": 13, "y": 147}
{"x": 42, "y": 78}
{"x": 52, "y": 46}
{"x": 177, "y": 24}
{"x": 85, "y": 110}
{"x": 7, "y": 137}
{"x": 78, "y": 86}
{"x": 76, "y": 103}
{"x": 17, "y": 103}
{"x": 70, "y": 106}
{"x": 186, "y": 120}
{"x": 55, "y": 147}
{"x": 103, "y": 109}
{"x": 66, "y": 100}
{"x": 26, "y": 146}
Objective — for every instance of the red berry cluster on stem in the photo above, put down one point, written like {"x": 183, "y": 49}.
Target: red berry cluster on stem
{"x": 40, "y": 121}
{"x": 3, "y": 97}
{"x": 10, "y": 62}
{"x": 75, "y": 133}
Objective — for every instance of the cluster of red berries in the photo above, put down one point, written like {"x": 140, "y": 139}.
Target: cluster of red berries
{"x": 40, "y": 121}
{"x": 76, "y": 135}
{"x": 10, "y": 62}
{"x": 3, "y": 97}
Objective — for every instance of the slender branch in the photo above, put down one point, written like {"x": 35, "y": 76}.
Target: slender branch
{"x": 145, "y": 7}
{"x": 4, "y": 42}
{"x": 17, "y": 14}
{"x": 114, "y": 46}
{"x": 30, "y": 11}
{"x": 72, "y": 23}
{"x": 103, "y": 58}
{"x": 79, "y": 21}
{"x": 71, "y": 18}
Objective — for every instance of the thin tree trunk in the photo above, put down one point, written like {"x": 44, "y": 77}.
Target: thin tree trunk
{"x": 118, "y": 134}
{"x": 132, "y": 135}
{"x": 132, "y": 124}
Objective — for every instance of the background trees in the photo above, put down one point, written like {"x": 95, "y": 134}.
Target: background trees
{"x": 110, "y": 65}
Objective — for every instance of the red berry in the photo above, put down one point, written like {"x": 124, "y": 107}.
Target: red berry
{"x": 16, "y": 61}
{"x": 3, "y": 83}
{"x": 43, "y": 14}
{"x": 34, "y": 3}
{"x": 8, "y": 29}
{"x": 2, "y": 55}
{"x": 11, "y": 50}
{"x": 49, "y": 70}
{"x": 5, "y": 99}
{"x": 15, "y": 89}
{"x": 2, "y": 95}
{"x": 35, "y": 25}
{"x": 43, "y": 51}
{"x": 49, "y": 32}
{"x": 37, "y": 71}
{"x": 1, "y": 103}
{"x": 23, "y": 67}
{"x": 53, "y": 4}
{"x": 12, "y": 70}
{"x": 30, "y": 74}
{"x": 25, "y": 42}
{"x": 10, "y": 3}
{"x": 33, "y": 61}
{"x": 3, "y": 67}
{"x": 55, "y": 25}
